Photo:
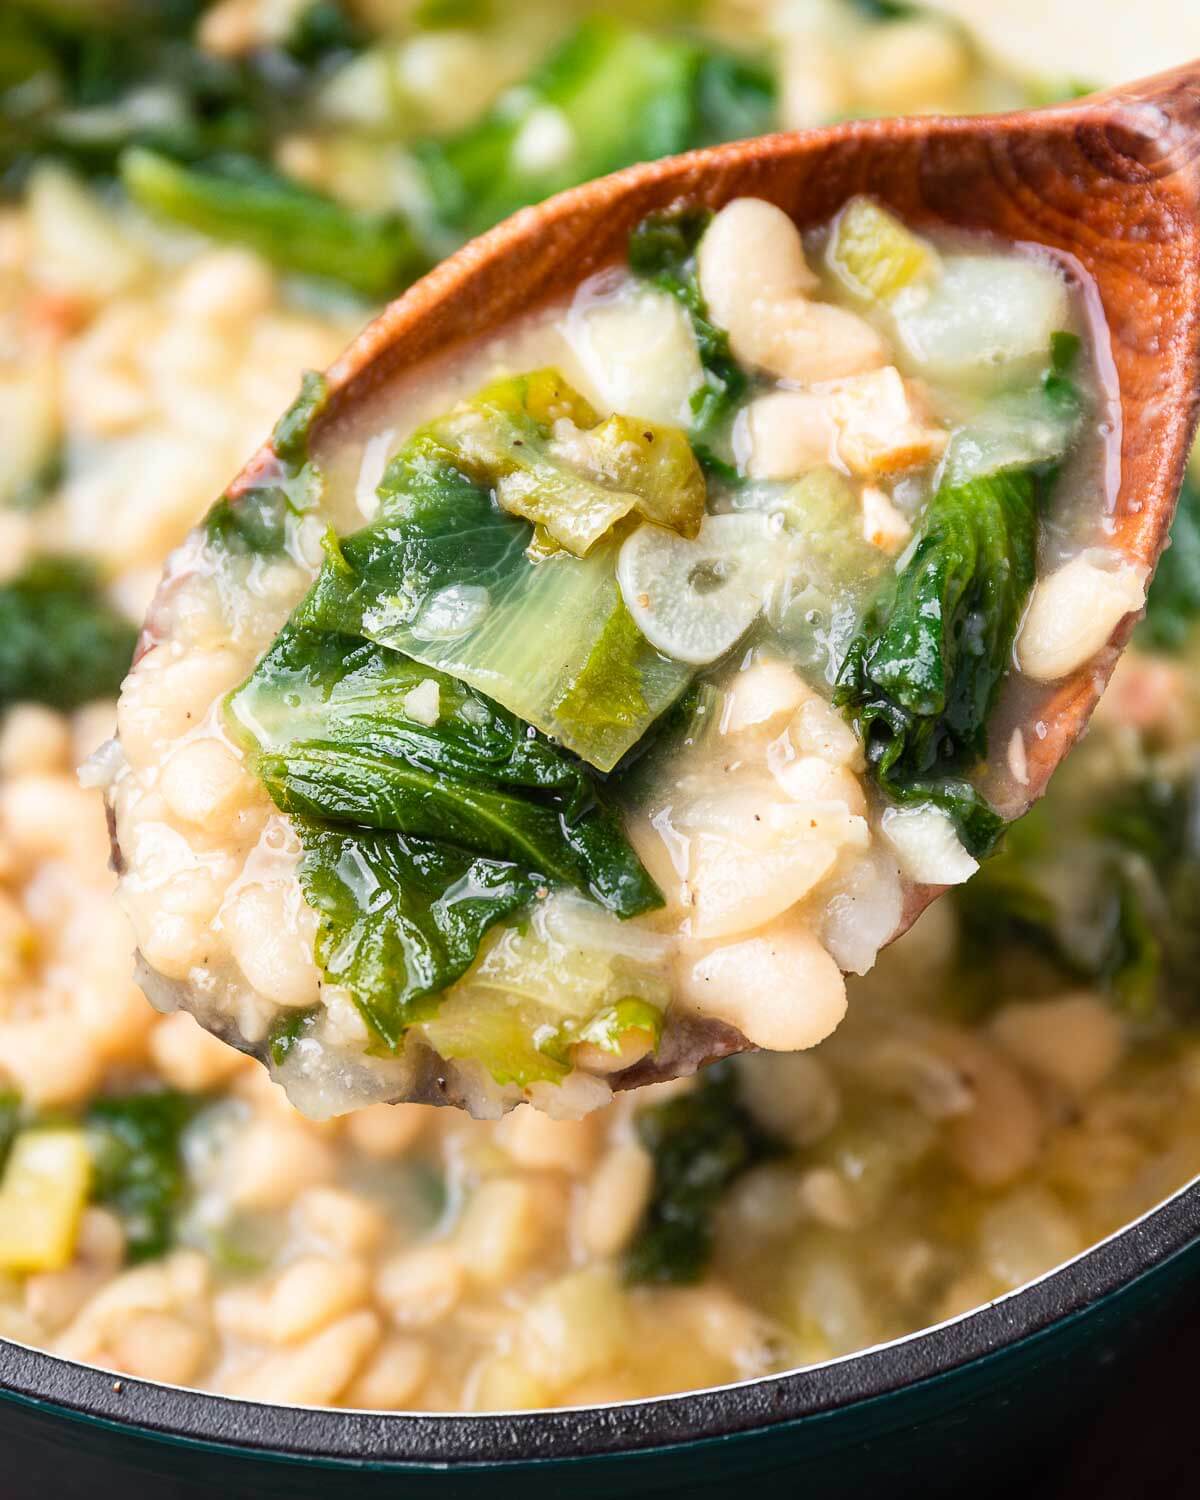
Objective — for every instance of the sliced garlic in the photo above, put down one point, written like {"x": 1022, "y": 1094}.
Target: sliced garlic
{"x": 694, "y": 600}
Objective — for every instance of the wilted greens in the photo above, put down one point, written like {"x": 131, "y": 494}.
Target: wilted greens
{"x": 1099, "y": 884}
{"x": 256, "y": 524}
{"x": 236, "y": 198}
{"x": 61, "y": 642}
{"x": 701, "y": 1142}
{"x": 611, "y": 95}
{"x": 445, "y": 576}
{"x": 923, "y": 674}
{"x": 428, "y": 811}
{"x": 662, "y": 250}
{"x": 137, "y": 1149}
{"x": 1173, "y": 603}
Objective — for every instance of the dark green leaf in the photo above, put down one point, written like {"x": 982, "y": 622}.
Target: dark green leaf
{"x": 236, "y": 198}
{"x": 334, "y": 742}
{"x": 137, "y": 1148}
{"x": 61, "y": 643}
{"x": 701, "y": 1142}
{"x": 923, "y": 673}
{"x": 402, "y": 918}
{"x": 324, "y": 30}
{"x": 1099, "y": 885}
{"x": 10, "y": 1119}
{"x": 255, "y": 523}
{"x": 624, "y": 95}
{"x": 1173, "y": 603}
{"x": 662, "y": 251}
{"x": 289, "y": 1029}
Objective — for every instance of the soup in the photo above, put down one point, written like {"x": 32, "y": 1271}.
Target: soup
{"x": 1015, "y": 1079}
{"x": 552, "y": 775}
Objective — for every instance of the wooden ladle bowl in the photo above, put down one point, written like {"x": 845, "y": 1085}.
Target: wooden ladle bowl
{"x": 1110, "y": 182}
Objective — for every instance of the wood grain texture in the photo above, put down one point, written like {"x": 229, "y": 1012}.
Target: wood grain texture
{"x": 1110, "y": 183}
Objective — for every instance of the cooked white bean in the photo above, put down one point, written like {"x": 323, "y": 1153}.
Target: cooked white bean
{"x": 756, "y": 282}
{"x": 1074, "y": 610}
{"x": 782, "y": 990}
{"x": 271, "y": 930}
{"x": 535, "y": 1141}
{"x": 1075, "y": 1041}
{"x": 615, "y": 1197}
{"x": 927, "y": 846}
{"x": 420, "y": 1287}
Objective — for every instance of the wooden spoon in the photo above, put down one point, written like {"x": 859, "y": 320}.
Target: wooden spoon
{"x": 1111, "y": 182}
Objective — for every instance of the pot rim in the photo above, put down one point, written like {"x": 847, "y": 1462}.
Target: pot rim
{"x": 336, "y": 1436}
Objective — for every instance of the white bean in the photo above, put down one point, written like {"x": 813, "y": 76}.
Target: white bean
{"x": 203, "y": 783}
{"x": 270, "y": 931}
{"x": 1075, "y": 1041}
{"x": 927, "y": 846}
{"x": 614, "y": 1200}
{"x": 1074, "y": 610}
{"x": 422, "y": 1286}
{"x": 539, "y": 1143}
{"x": 782, "y": 990}
{"x": 756, "y": 282}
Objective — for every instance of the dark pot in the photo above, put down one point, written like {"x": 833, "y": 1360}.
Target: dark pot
{"x": 994, "y": 1393}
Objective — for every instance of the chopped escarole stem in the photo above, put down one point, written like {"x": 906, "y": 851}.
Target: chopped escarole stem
{"x": 446, "y": 574}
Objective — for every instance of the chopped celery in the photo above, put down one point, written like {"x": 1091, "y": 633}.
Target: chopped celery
{"x": 539, "y": 443}
{"x": 873, "y": 253}
{"x": 236, "y": 198}
{"x": 42, "y": 1196}
{"x": 537, "y": 992}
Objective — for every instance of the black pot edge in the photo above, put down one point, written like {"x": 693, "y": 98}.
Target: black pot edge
{"x": 429, "y": 1441}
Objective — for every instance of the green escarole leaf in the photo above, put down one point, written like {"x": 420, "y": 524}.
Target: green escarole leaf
{"x": 1099, "y": 884}
{"x": 608, "y": 96}
{"x": 923, "y": 673}
{"x": 402, "y": 918}
{"x": 444, "y": 574}
{"x": 700, "y": 1143}
{"x": 334, "y": 737}
{"x": 237, "y": 198}
{"x": 255, "y": 523}
{"x": 137, "y": 1149}
{"x": 1173, "y": 603}
{"x": 662, "y": 251}
{"x": 61, "y": 642}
